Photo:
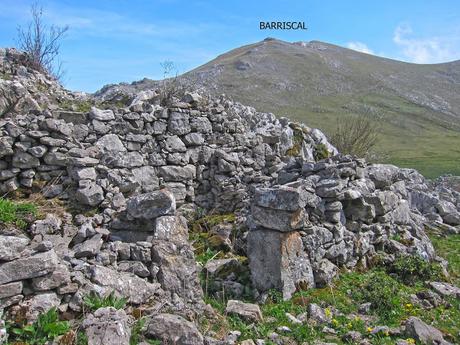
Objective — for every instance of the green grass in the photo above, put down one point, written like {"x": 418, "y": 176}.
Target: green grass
{"x": 448, "y": 247}
{"x": 391, "y": 305}
{"x": 17, "y": 213}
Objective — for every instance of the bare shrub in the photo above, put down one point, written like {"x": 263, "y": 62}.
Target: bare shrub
{"x": 42, "y": 42}
{"x": 356, "y": 135}
{"x": 171, "y": 88}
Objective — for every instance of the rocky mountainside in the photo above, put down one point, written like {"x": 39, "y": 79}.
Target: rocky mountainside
{"x": 319, "y": 83}
{"x": 172, "y": 205}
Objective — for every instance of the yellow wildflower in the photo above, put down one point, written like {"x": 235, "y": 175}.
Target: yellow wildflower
{"x": 369, "y": 329}
{"x": 328, "y": 312}
{"x": 349, "y": 325}
{"x": 335, "y": 322}
{"x": 410, "y": 340}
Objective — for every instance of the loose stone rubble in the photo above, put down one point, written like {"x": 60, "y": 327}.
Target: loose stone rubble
{"x": 308, "y": 210}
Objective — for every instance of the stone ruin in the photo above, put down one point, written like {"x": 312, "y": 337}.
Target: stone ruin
{"x": 308, "y": 210}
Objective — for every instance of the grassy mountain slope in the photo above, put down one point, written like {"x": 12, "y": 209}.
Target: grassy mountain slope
{"x": 319, "y": 84}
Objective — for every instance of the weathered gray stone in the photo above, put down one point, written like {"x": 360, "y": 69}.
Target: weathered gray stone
{"x": 425, "y": 334}
{"x": 110, "y": 143}
{"x": 24, "y": 160}
{"x": 147, "y": 177}
{"x": 171, "y": 228}
{"x": 39, "y": 304}
{"x": 173, "y": 329}
{"x": 11, "y": 247}
{"x": 324, "y": 272}
{"x": 10, "y": 289}
{"x": 28, "y": 267}
{"x": 107, "y": 326}
{"x": 124, "y": 284}
{"x": 278, "y": 261}
{"x": 445, "y": 289}
{"x": 90, "y": 194}
{"x": 448, "y": 212}
{"x": 50, "y": 225}
{"x": 56, "y": 158}
{"x": 248, "y": 311}
{"x": 383, "y": 175}
{"x": 88, "y": 248}
{"x": 177, "y": 173}
{"x": 193, "y": 139}
{"x": 60, "y": 276}
{"x": 318, "y": 314}
{"x": 101, "y": 115}
{"x": 179, "y": 123}
{"x": 221, "y": 268}
{"x": 284, "y": 221}
{"x": 152, "y": 205}
{"x": 177, "y": 268}
{"x": 282, "y": 198}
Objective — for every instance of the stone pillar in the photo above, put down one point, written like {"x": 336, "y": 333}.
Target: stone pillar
{"x": 277, "y": 259}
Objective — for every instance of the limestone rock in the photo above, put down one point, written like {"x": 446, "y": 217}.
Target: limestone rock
{"x": 173, "y": 329}
{"x": 425, "y": 334}
{"x": 124, "y": 284}
{"x": 90, "y": 194}
{"x": 151, "y": 205}
{"x": 278, "y": 261}
{"x": 248, "y": 311}
{"x": 107, "y": 326}
{"x": 101, "y": 115}
{"x": 28, "y": 267}
{"x": 11, "y": 247}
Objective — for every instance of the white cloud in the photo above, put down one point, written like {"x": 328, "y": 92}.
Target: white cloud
{"x": 360, "y": 47}
{"x": 424, "y": 50}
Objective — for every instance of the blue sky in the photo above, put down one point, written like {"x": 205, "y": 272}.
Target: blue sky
{"x": 111, "y": 41}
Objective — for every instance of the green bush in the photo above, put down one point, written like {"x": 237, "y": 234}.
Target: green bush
{"x": 19, "y": 214}
{"x": 94, "y": 302}
{"x": 321, "y": 152}
{"x": 45, "y": 329}
{"x": 383, "y": 292}
{"x": 413, "y": 269}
